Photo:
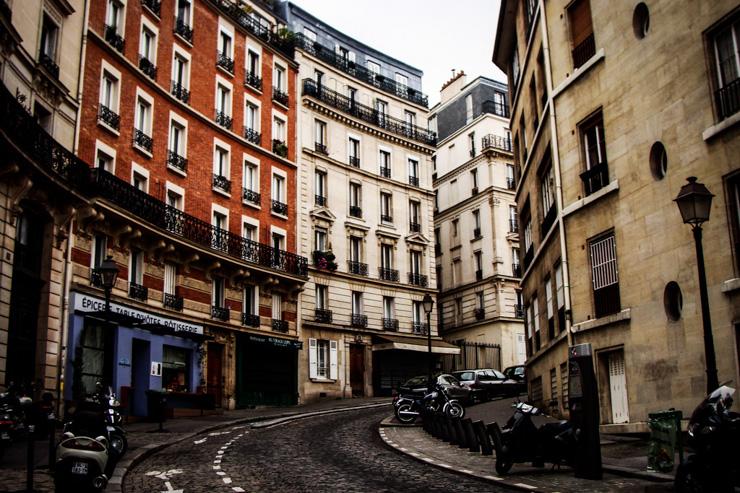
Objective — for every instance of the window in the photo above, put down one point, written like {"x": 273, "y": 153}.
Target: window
{"x": 410, "y": 119}
{"x": 560, "y": 296}
{"x": 279, "y": 80}
{"x": 413, "y": 172}
{"x": 176, "y": 368}
{"x": 478, "y": 261}
{"x": 549, "y": 308}
{"x": 100, "y": 250}
{"x": 356, "y": 303}
{"x": 320, "y": 136}
{"x": 250, "y": 232}
{"x": 48, "y": 47}
{"x": 386, "y": 207}
{"x": 320, "y": 188}
{"x": 221, "y": 163}
{"x": 252, "y": 122}
{"x": 220, "y": 223}
{"x": 253, "y": 63}
{"x": 354, "y": 152}
{"x": 476, "y": 224}
{"x": 251, "y": 178}
{"x": 513, "y": 223}
{"x": 278, "y": 129}
{"x": 251, "y": 300}
{"x": 382, "y": 108}
{"x": 225, "y": 50}
{"x": 726, "y": 46}
{"x": 468, "y": 108}
{"x": 433, "y": 124}
{"x": 109, "y": 99}
{"x": 223, "y": 105}
{"x": 516, "y": 270}
{"x": 278, "y": 241}
{"x": 278, "y": 188}
{"x": 352, "y": 95}
{"x": 218, "y": 297}
{"x": 416, "y": 316}
{"x": 402, "y": 81}
{"x": 114, "y": 17}
{"x": 386, "y": 257}
{"x": 178, "y": 147}
{"x": 456, "y": 272}
{"x": 140, "y": 178}
{"x": 474, "y": 179}
{"x": 385, "y": 163}
{"x": 596, "y": 175}
{"x": 322, "y": 359}
{"x": 415, "y": 262}
{"x": 174, "y": 199}
{"x": 320, "y": 239}
{"x": 547, "y": 188}
{"x": 499, "y": 104}
{"x": 148, "y": 51}
{"x": 553, "y": 385}
{"x": 604, "y": 275}
{"x": 564, "y": 384}
{"x": 309, "y": 34}
{"x": 277, "y": 306}
{"x": 414, "y": 216}
{"x": 143, "y": 126}
{"x": 184, "y": 12}
{"x": 180, "y": 77}
{"x": 510, "y": 180}
{"x": 454, "y": 225}
{"x": 528, "y": 236}
{"x": 104, "y": 161}
{"x": 581, "y": 31}
{"x": 733, "y": 203}
{"x": 355, "y": 249}
{"x": 536, "y": 320}
{"x": 373, "y": 67}
{"x": 136, "y": 267}
{"x": 355, "y": 200}
{"x": 170, "y": 278}
{"x": 471, "y": 145}
{"x": 388, "y": 311}
{"x": 514, "y": 68}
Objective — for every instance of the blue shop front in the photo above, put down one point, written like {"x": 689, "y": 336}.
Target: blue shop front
{"x": 132, "y": 350}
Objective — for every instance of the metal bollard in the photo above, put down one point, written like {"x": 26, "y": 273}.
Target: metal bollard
{"x": 462, "y": 439}
{"x": 29, "y": 457}
{"x": 451, "y": 430}
{"x": 485, "y": 441}
{"x": 470, "y": 435}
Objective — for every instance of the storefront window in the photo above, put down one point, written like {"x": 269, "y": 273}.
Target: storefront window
{"x": 176, "y": 369}
{"x": 91, "y": 357}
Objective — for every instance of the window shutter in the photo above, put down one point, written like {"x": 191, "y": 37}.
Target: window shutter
{"x": 312, "y": 366}
{"x": 333, "y": 360}
{"x": 580, "y": 21}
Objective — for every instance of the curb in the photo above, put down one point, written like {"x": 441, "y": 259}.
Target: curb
{"x": 115, "y": 483}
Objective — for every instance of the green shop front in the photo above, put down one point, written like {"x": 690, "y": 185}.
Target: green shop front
{"x": 266, "y": 370}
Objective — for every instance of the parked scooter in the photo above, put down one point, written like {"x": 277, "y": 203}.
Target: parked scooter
{"x": 521, "y": 441}
{"x": 99, "y": 415}
{"x": 407, "y": 408}
{"x": 13, "y": 407}
{"x": 81, "y": 464}
{"x": 714, "y": 435}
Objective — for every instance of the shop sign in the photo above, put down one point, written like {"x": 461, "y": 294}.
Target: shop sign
{"x": 156, "y": 369}
{"x": 276, "y": 341}
{"x": 87, "y": 303}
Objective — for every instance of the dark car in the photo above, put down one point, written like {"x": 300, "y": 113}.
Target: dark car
{"x": 487, "y": 383}
{"x": 417, "y": 386}
{"x": 517, "y": 372}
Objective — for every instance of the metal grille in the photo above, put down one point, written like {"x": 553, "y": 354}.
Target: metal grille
{"x": 604, "y": 263}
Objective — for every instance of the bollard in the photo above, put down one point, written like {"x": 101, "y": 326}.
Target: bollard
{"x": 29, "y": 457}
{"x": 433, "y": 425}
{"x": 452, "y": 431}
{"x": 462, "y": 439}
{"x": 483, "y": 438}
{"x": 470, "y": 435}
{"x": 52, "y": 427}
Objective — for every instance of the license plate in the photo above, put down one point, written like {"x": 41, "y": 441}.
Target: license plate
{"x": 4, "y": 436}
{"x": 79, "y": 468}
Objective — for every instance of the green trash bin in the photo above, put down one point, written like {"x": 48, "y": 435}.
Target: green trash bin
{"x": 665, "y": 440}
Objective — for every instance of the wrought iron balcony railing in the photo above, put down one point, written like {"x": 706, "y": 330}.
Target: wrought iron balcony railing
{"x": 479, "y": 313}
{"x": 414, "y": 227}
{"x": 279, "y": 325}
{"x": 180, "y": 92}
{"x": 516, "y": 270}
{"x": 321, "y": 148}
{"x": 518, "y": 311}
{"x": 225, "y": 62}
{"x": 222, "y": 183}
{"x": 183, "y": 30}
{"x": 355, "y": 211}
{"x": 279, "y": 147}
{"x": 499, "y": 109}
{"x": 417, "y": 279}
{"x": 142, "y": 140}
{"x": 137, "y": 291}
{"x": 513, "y": 226}
{"x": 173, "y": 302}
{"x": 728, "y": 99}
{"x": 280, "y": 96}
{"x": 113, "y": 38}
{"x": 154, "y": 5}
{"x": 354, "y": 161}
{"x": 388, "y": 274}
{"x": 390, "y": 324}
{"x": 414, "y": 180}
{"x": 323, "y": 316}
{"x": 279, "y": 207}
{"x": 419, "y": 328}
{"x": 109, "y": 117}
{"x": 359, "y": 321}
{"x": 386, "y": 218}
{"x": 357, "y": 268}
{"x": 596, "y": 178}
{"x": 177, "y": 161}
{"x": 378, "y": 81}
{"x": 51, "y": 67}
{"x": 479, "y": 275}
{"x": 253, "y": 80}
{"x": 325, "y": 260}
{"x": 368, "y": 114}
{"x": 510, "y": 183}
{"x": 282, "y": 43}
{"x": 320, "y": 200}
{"x": 250, "y": 320}
{"x": 252, "y": 136}
{"x": 251, "y": 196}
{"x": 491, "y": 141}
{"x": 223, "y": 119}
{"x": 385, "y": 171}
{"x": 220, "y": 313}
{"x": 584, "y": 51}
{"x": 476, "y": 233}
{"x": 148, "y": 67}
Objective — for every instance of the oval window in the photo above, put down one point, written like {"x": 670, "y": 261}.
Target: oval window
{"x": 673, "y": 301}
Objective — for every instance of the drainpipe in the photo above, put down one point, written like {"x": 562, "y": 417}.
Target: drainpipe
{"x": 64, "y": 317}
{"x": 81, "y": 78}
{"x": 558, "y": 182}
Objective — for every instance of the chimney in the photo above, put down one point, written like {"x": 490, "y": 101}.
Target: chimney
{"x": 453, "y": 86}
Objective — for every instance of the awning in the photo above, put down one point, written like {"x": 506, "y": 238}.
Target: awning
{"x": 387, "y": 342}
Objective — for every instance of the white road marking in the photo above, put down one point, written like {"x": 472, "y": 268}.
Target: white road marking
{"x": 495, "y": 478}
{"x": 217, "y": 433}
{"x": 221, "y": 473}
{"x": 217, "y": 461}
{"x": 220, "y": 452}
{"x": 215, "y": 468}
{"x": 524, "y": 485}
{"x": 227, "y": 480}
{"x": 237, "y": 489}
{"x": 198, "y": 442}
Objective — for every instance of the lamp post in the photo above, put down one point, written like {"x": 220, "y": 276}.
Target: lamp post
{"x": 695, "y": 202}
{"x": 108, "y": 272}
{"x": 428, "y": 304}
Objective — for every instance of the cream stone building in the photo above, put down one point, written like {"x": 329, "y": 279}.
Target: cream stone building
{"x": 613, "y": 107}
{"x": 40, "y": 102}
{"x": 475, "y": 225}
{"x": 366, "y": 215}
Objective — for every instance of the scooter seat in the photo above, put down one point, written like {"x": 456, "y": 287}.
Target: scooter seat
{"x": 554, "y": 428}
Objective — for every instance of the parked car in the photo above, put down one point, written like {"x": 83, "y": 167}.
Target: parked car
{"x": 517, "y": 372}
{"x": 487, "y": 383}
{"x": 417, "y": 386}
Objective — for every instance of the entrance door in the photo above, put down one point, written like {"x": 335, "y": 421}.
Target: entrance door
{"x": 215, "y": 384}
{"x": 618, "y": 388}
{"x": 140, "y": 368}
{"x": 357, "y": 369}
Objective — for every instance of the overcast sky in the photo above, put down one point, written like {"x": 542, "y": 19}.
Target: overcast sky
{"x": 435, "y": 36}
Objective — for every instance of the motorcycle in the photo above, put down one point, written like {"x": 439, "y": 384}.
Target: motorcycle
{"x": 12, "y": 416}
{"x": 521, "y": 441}
{"x": 713, "y": 435}
{"x": 81, "y": 464}
{"x": 107, "y": 407}
{"x": 407, "y": 409}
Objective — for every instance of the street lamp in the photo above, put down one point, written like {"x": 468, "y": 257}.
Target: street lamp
{"x": 428, "y": 304}
{"x": 695, "y": 202}
{"x": 108, "y": 272}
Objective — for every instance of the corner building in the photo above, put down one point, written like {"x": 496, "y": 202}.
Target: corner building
{"x": 476, "y": 238}
{"x": 366, "y": 218}
{"x": 188, "y": 121}
{"x": 613, "y": 107}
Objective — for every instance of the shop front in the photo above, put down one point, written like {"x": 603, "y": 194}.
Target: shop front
{"x": 134, "y": 351}
{"x": 266, "y": 370}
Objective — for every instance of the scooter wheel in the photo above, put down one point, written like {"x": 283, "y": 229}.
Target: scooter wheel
{"x": 503, "y": 465}
{"x": 455, "y": 410}
{"x": 119, "y": 444}
{"x": 402, "y": 416}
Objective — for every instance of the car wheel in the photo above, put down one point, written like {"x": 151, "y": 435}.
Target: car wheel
{"x": 503, "y": 465}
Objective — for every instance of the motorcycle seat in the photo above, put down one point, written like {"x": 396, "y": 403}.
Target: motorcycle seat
{"x": 554, "y": 428}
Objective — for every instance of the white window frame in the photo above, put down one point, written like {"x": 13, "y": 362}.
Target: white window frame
{"x": 183, "y": 147}
{"x": 141, "y": 171}
{"x": 249, "y": 100}
{"x": 147, "y": 25}
{"x": 250, "y": 221}
{"x": 176, "y": 189}
{"x": 170, "y": 278}
{"x": 227, "y": 28}
{"x": 251, "y": 162}
{"x": 255, "y": 301}
{"x": 283, "y": 190}
{"x": 283, "y": 234}
{"x": 280, "y": 83}
{"x": 277, "y": 115}
{"x": 178, "y": 52}
{"x": 257, "y": 50}
{"x": 136, "y": 272}
{"x": 220, "y": 81}
{"x": 189, "y": 20}
{"x": 277, "y": 303}
{"x": 102, "y": 147}
{"x": 220, "y": 144}
{"x": 321, "y": 293}
{"x": 357, "y": 301}
{"x": 149, "y": 100}
{"x": 371, "y": 66}
{"x": 121, "y": 23}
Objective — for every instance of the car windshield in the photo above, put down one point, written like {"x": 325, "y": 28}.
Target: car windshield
{"x": 487, "y": 375}
{"x": 464, "y": 375}
{"x": 448, "y": 379}
{"x": 498, "y": 374}
{"x": 415, "y": 382}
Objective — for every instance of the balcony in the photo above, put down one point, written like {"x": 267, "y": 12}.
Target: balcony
{"x": 137, "y": 291}
{"x": 479, "y": 313}
{"x": 388, "y": 274}
{"x": 497, "y": 142}
{"x": 173, "y": 302}
{"x": 479, "y": 275}
{"x": 359, "y": 321}
{"x": 414, "y": 227}
{"x": 142, "y": 140}
{"x": 222, "y": 183}
{"x": 596, "y": 178}
{"x": 368, "y": 114}
{"x": 321, "y": 148}
{"x": 510, "y": 183}
{"x": 51, "y": 67}
{"x": 220, "y": 313}
{"x": 386, "y": 218}
{"x": 355, "y": 211}
{"x": 474, "y": 191}
{"x": 279, "y": 325}
{"x": 324, "y": 260}
{"x": 390, "y": 324}
{"x": 476, "y": 233}
{"x": 225, "y": 62}
{"x": 414, "y": 181}
{"x": 327, "y": 55}
{"x": 322, "y": 316}
{"x": 385, "y": 171}
{"x": 223, "y": 119}
{"x": 177, "y": 161}
{"x": 418, "y": 279}
{"x": 495, "y": 108}
{"x": 319, "y": 200}
{"x": 472, "y": 152}
{"x": 110, "y": 118}
{"x": 513, "y": 226}
{"x": 252, "y": 136}
{"x": 358, "y": 268}
{"x": 279, "y": 96}
{"x": 180, "y": 92}
{"x": 280, "y": 148}
{"x": 584, "y": 51}
{"x": 548, "y": 221}
{"x": 419, "y": 328}
{"x": 251, "y": 196}
{"x": 516, "y": 270}
{"x": 250, "y": 320}
{"x": 253, "y": 80}
{"x": 727, "y": 99}
{"x": 279, "y": 207}
{"x": 155, "y": 6}
{"x": 183, "y": 30}
{"x": 518, "y": 311}
{"x": 354, "y": 161}
{"x": 281, "y": 43}
{"x": 113, "y": 38}
{"x": 146, "y": 66}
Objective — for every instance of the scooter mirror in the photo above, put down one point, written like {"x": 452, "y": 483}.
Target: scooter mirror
{"x": 102, "y": 440}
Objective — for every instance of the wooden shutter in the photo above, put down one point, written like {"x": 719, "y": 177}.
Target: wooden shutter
{"x": 333, "y": 360}
{"x": 579, "y": 14}
{"x": 618, "y": 388}
{"x": 312, "y": 366}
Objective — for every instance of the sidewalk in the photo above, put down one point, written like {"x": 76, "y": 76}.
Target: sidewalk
{"x": 144, "y": 439}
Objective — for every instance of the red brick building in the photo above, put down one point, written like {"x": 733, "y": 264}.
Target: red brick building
{"x": 188, "y": 117}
